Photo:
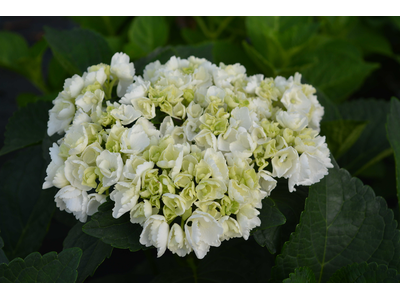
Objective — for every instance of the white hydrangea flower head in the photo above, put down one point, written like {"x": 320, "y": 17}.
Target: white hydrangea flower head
{"x": 189, "y": 149}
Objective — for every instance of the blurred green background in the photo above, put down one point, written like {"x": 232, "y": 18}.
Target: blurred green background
{"x": 354, "y": 63}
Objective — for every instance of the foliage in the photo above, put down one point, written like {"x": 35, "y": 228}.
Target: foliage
{"x": 337, "y": 230}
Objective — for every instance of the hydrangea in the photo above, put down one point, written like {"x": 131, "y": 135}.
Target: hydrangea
{"x": 189, "y": 150}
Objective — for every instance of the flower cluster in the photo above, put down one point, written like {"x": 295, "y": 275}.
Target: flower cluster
{"x": 189, "y": 149}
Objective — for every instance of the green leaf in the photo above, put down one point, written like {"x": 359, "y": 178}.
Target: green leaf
{"x": 270, "y": 215}
{"x": 393, "y": 134}
{"x": 51, "y": 267}
{"x": 396, "y": 21}
{"x": 236, "y": 260}
{"x": 372, "y": 142}
{"x": 26, "y": 127}
{"x": 370, "y": 41}
{"x": 290, "y": 205}
{"x": 301, "y": 275}
{"x": 24, "y": 99}
{"x": 3, "y": 257}
{"x": 56, "y": 75}
{"x": 146, "y": 34}
{"x": 119, "y": 233}
{"x": 78, "y": 49}
{"x": 343, "y": 222}
{"x": 264, "y": 65}
{"x": 341, "y": 135}
{"x": 26, "y": 209}
{"x": 339, "y": 71}
{"x": 280, "y": 38}
{"x": 201, "y": 51}
{"x": 193, "y": 36}
{"x": 106, "y": 25}
{"x": 13, "y": 47}
{"x": 94, "y": 251}
{"x": 229, "y": 53}
{"x": 365, "y": 273}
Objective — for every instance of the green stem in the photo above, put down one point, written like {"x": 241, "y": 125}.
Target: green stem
{"x": 203, "y": 27}
{"x": 222, "y": 26}
{"x": 192, "y": 265}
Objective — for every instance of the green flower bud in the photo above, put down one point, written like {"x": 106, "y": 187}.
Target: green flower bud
{"x": 89, "y": 177}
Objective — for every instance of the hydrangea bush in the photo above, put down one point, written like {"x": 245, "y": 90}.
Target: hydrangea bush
{"x": 189, "y": 150}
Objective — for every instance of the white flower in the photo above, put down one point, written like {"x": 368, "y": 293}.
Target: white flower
{"x": 134, "y": 140}
{"x": 61, "y": 115}
{"x": 81, "y": 117}
{"x": 226, "y": 139}
{"x": 253, "y": 83}
{"x": 267, "y": 183}
{"x": 247, "y": 219}
{"x": 244, "y": 143}
{"x": 74, "y": 171}
{"x": 76, "y": 139}
{"x": 206, "y": 139}
{"x": 145, "y": 106}
{"x": 166, "y": 127}
{"x": 285, "y": 162}
{"x": 73, "y": 200}
{"x": 89, "y": 101}
{"x": 217, "y": 163}
{"x": 295, "y": 101}
{"x": 55, "y": 170}
{"x": 125, "y": 197}
{"x": 123, "y": 70}
{"x": 73, "y": 86}
{"x": 177, "y": 241}
{"x": 95, "y": 200}
{"x": 91, "y": 77}
{"x": 125, "y": 113}
{"x": 311, "y": 170}
{"x": 155, "y": 233}
{"x": 91, "y": 152}
{"x": 231, "y": 228}
{"x": 203, "y": 232}
{"x": 110, "y": 166}
{"x": 240, "y": 117}
{"x": 293, "y": 121}
{"x": 142, "y": 211}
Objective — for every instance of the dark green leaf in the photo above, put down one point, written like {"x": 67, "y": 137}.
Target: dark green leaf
{"x": 341, "y": 135}
{"x": 105, "y": 25}
{"x": 193, "y": 36}
{"x": 370, "y": 41}
{"x": 13, "y": 47}
{"x": 236, "y": 260}
{"x": 264, "y": 65}
{"x": 26, "y": 209}
{"x": 24, "y": 99}
{"x": 343, "y": 222}
{"x": 119, "y": 233}
{"x": 263, "y": 32}
{"x": 115, "y": 42}
{"x": 57, "y": 75}
{"x": 3, "y": 257}
{"x": 270, "y": 215}
{"x": 301, "y": 275}
{"x": 78, "y": 49}
{"x": 372, "y": 141}
{"x": 393, "y": 134}
{"x": 229, "y": 53}
{"x": 200, "y": 51}
{"x": 365, "y": 273}
{"x": 290, "y": 205}
{"x": 51, "y": 267}
{"x": 26, "y": 127}
{"x": 94, "y": 251}
{"x": 339, "y": 71}
{"x": 396, "y": 21}
{"x": 146, "y": 34}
